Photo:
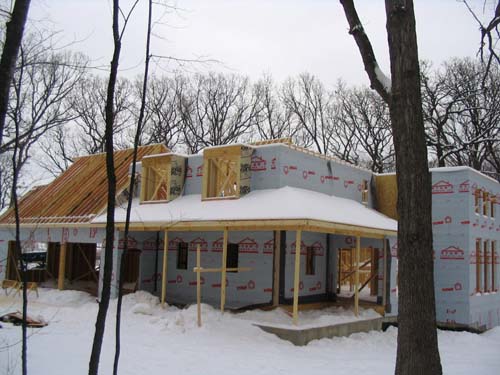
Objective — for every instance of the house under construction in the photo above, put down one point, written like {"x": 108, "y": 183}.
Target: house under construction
{"x": 263, "y": 224}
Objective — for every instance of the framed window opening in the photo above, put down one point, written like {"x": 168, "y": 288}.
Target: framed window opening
{"x": 478, "y": 265}
{"x": 494, "y": 257}
{"x": 364, "y": 192}
{"x": 310, "y": 261}
{"x": 155, "y": 178}
{"x": 182, "y": 255}
{"x": 232, "y": 256}
{"x": 486, "y": 255}
{"x": 486, "y": 203}
{"x": 477, "y": 201}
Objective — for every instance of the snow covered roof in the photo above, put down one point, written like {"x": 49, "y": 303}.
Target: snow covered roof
{"x": 287, "y": 203}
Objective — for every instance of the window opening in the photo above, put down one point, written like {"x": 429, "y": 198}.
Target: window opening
{"x": 182, "y": 256}
{"x": 232, "y": 256}
{"x": 310, "y": 260}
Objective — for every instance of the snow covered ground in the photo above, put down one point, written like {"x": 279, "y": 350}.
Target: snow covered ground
{"x": 168, "y": 341}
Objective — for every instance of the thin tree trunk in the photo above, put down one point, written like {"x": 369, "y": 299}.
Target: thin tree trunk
{"x": 13, "y": 38}
{"x": 417, "y": 351}
{"x": 131, "y": 189}
{"x": 110, "y": 227}
{"x": 19, "y": 252}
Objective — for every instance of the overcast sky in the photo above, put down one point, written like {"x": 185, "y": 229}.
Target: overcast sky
{"x": 255, "y": 37}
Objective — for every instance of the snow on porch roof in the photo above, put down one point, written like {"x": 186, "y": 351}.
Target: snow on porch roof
{"x": 287, "y": 203}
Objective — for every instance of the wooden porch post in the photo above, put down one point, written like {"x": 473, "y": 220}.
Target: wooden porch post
{"x": 296, "y": 277}
{"x": 223, "y": 272}
{"x": 62, "y": 265}
{"x": 276, "y": 268}
{"x": 356, "y": 279}
{"x": 384, "y": 289}
{"x": 198, "y": 284}
{"x": 164, "y": 269}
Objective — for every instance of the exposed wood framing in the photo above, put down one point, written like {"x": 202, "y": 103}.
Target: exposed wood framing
{"x": 296, "y": 277}
{"x": 155, "y": 178}
{"x": 384, "y": 293}
{"x": 223, "y": 272}
{"x": 198, "y": 284}
{"x": 265, "y": 225}
{"x": 356, "y": 278}
{"x": 62, "y": 265}
{"x": 164, "y": 268}
{"x": 276, "y": 268}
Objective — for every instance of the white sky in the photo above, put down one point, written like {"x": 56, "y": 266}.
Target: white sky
{"x": 253, "y": 37}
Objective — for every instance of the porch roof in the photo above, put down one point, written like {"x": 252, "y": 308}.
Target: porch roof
{"x": 286, "y": 207}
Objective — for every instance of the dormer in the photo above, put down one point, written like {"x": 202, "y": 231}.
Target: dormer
{"x": 226, "y": 172}
{"x": 162, "y": 178}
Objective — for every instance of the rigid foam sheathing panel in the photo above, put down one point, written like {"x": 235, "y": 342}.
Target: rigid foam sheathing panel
{"x": 455, "y": 229}
{"x": 302, "y": 170}
{"x": 194, "y": 175}
{"x": 309, "y": 284}
{"x": 242, "y": 288}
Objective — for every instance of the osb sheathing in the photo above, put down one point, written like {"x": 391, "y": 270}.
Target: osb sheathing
{"x": 245, "y": 170}
{"x": 177, "y": 176}
{"x": 386, "y": 190}
{"x": 80, "y": 192}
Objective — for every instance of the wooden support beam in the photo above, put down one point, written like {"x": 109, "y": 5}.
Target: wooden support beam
{"x": 198, "y": 284}
{"x": 276, "y": 268}
{"x": 356, "y": 278}
{"x": 223, "y": 273}
{"x": 296, "y": 277}
{"x": 164, "y": 268}
{"x": 384, "y": 286}
{"x": 62, "y": 265}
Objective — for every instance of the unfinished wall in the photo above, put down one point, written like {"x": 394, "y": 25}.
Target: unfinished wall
{"x": 484, "y": 306}
{"x": 242, "y": 288}
{"x": 302, "y": 170}
{"x": 309, "y": 284}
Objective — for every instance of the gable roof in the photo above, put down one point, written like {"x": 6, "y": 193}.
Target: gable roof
{"x": 79, "y": 193}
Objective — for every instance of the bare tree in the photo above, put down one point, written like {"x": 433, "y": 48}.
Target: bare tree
{"x": 40, "y": 87}
{"x": 111, "y": 179}
{"x": 475, "y": 88}
{"x": 363, "y": 126}
{"x": 417, "y": 351}
{"x": 309, "y": 102}
{"x": 162, "y": 117}
{"x": 217, "y": 110}
{"x": 12, "y": 44}
{"x": 274, "y": 120}
{"x": 87, "y": 103}
{"x": 490, "y": 33}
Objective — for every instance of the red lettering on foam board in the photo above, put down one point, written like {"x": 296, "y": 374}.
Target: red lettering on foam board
{"x": 248, "y": 246}
{"x": 438, "y": 222}
{"x": 199, "y": 171}
{"x": 273, "y": 163}
{"x": 464, "y": 187}
{"x": 268, "y": 290}
{"x": 442, "y": 187}
{"x": 189, "y": 172}
{"x": 465, "y": 222}
{"x": 452, "y": 253}
{"x": 268, "y": 247}
{"x": 198, "y": 241}
{"x": 258, "y": 164}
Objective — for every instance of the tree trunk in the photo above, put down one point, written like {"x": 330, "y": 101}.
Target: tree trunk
{"x": 110, "y": 224}
{"x": 13, "y": 38}
{"x": 137, "y": 137}
{"x": 417, "y": 351}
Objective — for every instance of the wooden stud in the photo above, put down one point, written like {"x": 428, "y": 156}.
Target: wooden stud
{"x": 164, "y": 268}
{"x": 384, "y": 287}
{"x": 356, "y": 281}
{"x": 223, "y": 273}
{"x": 62, "y": 265}
{"x": 296, "y": 277}
{"x": 198, "y": 284}
{"x": 276, "y": 268}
